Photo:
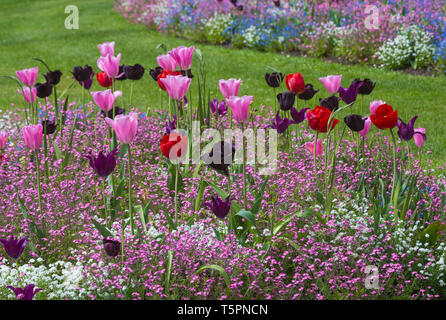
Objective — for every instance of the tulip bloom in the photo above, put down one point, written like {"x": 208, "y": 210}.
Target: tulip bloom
{"x": 279, "y": 124}
{"x": 298, "y": 116}
{"x": 107, "y": 48}
{"x": 319, "y": 147}
{"x": 176, "y": 86}
{"x": 167, "y": 62}
{"x": 104, "y": 80}
{"x": 384, "y": 117}
{"x": 406, "y": 131}
{"x": 84, "y": 76}
{"x": 419, "y": 137}
{"x": 274, "y": 79}
{"x": 331, "y": 103}
{"x": 218, "y": 108}
{"x": 27, "y": 293}
{"x": 110, "y": 65}
{"x": 182, "y": 56}
{"x": 220, "y": 157}
{"x": 28, "y": 76}
{"x": 355, "y": 122}
{"x": 164, "y": 74}
{"x": 103, "y": 165}
{"x": 332, "y": 83}
{"x": 295, "y": 82}
{"x": 43, "y": 90}
{"x": 286, "y": 100}
{"x": 229, "y": 87}
{"x": 53, "y": 77}
{"x": 124, "y": 126}
{"x": 105, "y": 99}
{"x": 3, "y": 139}
{"x": 154, "y": 73}
{"x": 175, "y": 141}
{"x": 171, "y": 125}
{"x": 318, "y": 119}
{"x": 219, "y": 207}
{"x": 308, "y": 93}
{"x": 374, "y": 105}
{"x": 29, "y": 94}
{"x": 367, "y": 86}
{"x": 111, "y": 247}
{"x": 349, "y": 95}
{"x": 134, "y": 72}
{"x": 49, "y": 126}
{"x": 240, "y": 107}
{"x": 366, "y": 129}
{"x": 33, "y": 136}
{"x": 14, "y": 246}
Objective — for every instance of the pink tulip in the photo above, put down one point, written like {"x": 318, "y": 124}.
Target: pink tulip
{"x": 375, "y": 104}
{"x": 105, "y": 99}
{"x": 366, "y": 129}
{"x": 229, "y": 87}
{"x": 124, "y": 126}
{"x": 183, "y": 56}
{"x": 107, "y": 48}
{"x": 239, "y": 107}
{"x": 110, "y": 65}
{"x": 319, "y": 147}
{"x": 332, "y": 83}
{"x": 419, "y": 137}
{"x": 167, "y": 62}
{"x": 30, "y": 94}
{"x": 3, "y": 139}
{"x": 33, "y": 136}
{"x": 28, "y": 76}
{"x": 176, "y": 86}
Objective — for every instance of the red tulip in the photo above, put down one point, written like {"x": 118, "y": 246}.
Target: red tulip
{"x": 164, "y": 75}
{"x": 384, "y": 117}
{"x": 318, "y": 119}
{"x": 173, "y": 140}
{"x": 104, "y": 80}
{"x": 295, "y": 83}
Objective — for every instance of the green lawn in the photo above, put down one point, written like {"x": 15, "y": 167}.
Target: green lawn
{"x": 30, "y": 28}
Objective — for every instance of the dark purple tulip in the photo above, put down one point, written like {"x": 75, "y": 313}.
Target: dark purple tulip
{"x": 27, "y": 293}
{"x": 406, "y": 131}
{"x": 121, "y": 71}
{"x": 234, "y": 2}
{"x": 355, "y": 122}
{"x": 49, "y": 127}
{"x": 349, "y": 95}
{"x": 308, "y": 93}
{"x": 154, "y": 73}
{"x": 277, "y": 3}
{"x": 220, "y": 157}
{"x": 286, "y": 100}
{"x": 103, "y": 165}
{"x": 280, "y": 124}
{"x": 274, "y": 79}
{"x": 240, "y": 8}
{"x": 331, "y": 103}
{"x": 367, "y": 86}
{"x": 171, "y": 125}
{"x": 219, "y": 207}
{"x": 298, "y": 116}
{"x": 134, "y": 72}
{"x": 43, "y": 90}
{"x": 53, "y": 77}
{"x": 84, "y": 76}
{"x": 109, "y": 113}
{"x": 112, "y": 247}
{"x": 219, "y": 108}
{"x": 187, "y": 73}
{"x": 14, "y": 246}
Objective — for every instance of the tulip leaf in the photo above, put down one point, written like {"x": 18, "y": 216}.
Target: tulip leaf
{"x": 37, "y": 231}
{"x": 43, "y": 62}
{"x": 200, "y": 193}
{"x": 219, "y": 270}
{"x": 431, "y": 233}
{"x": 57, "y": 151}
{"x": 102, "y": 229}
{"x": 290, "y": 242}
{"x": 217, "y": 234}
{"x": 172, "y": 224}
{"x": 169, "y": 270}
{"x": 247, "y": 215}
{"x": 70, "y": 145}
{"x": 146, "y": 210}
{"x": 258, "y": 200}
{"x": 138, "y": 209}
{"x": 171, "y": 178}
{"x": 319, "y": 197}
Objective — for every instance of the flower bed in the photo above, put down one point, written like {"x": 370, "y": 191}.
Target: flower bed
{"x": 106, "y": 202}
{"x": 352, "y": 31}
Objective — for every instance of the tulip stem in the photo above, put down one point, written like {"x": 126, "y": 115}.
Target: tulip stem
{"x": 244, "y": 170}
{"x": 105, "y": 202}
{"x": 45, "y": 141}
{"x": 130, "y": 189}
{"x": 394, "y": 173}
{"x": 38, "y": 183}
{"x": 314, "y": 153}
{"x": 176, "y": 194}
{"x": 131, "y": 94}
{"x": 56, "y": 108}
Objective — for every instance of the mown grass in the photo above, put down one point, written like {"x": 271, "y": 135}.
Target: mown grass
{"x": 30, "y": 29}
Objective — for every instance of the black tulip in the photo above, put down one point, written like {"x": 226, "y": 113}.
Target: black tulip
{"x": 367, "y": 86}
{"x": 49, "y": 127}
{"x": 83, "y": 74}
{"x": 53, "y": 77}
{"x": 134, "y": 72}
{"x": 308, "y": 93}
{"x": 234, "y": 2}
{"x": 355, "y": 122}
{"x": 43, "y": 90}
{"x": 121, "y": 71}
{"x": 109, "y": 113}
{"x": 154, "y": 73}
{"x": 274, "y": 79}
{"x": 112, "y": 247}
{"x": 331, "y": 103}
{"x": 277, "y": 3}
{"x": 224, "y": 152}
{"x": 286, "y": 100}
{"x": 240, "y": 8}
